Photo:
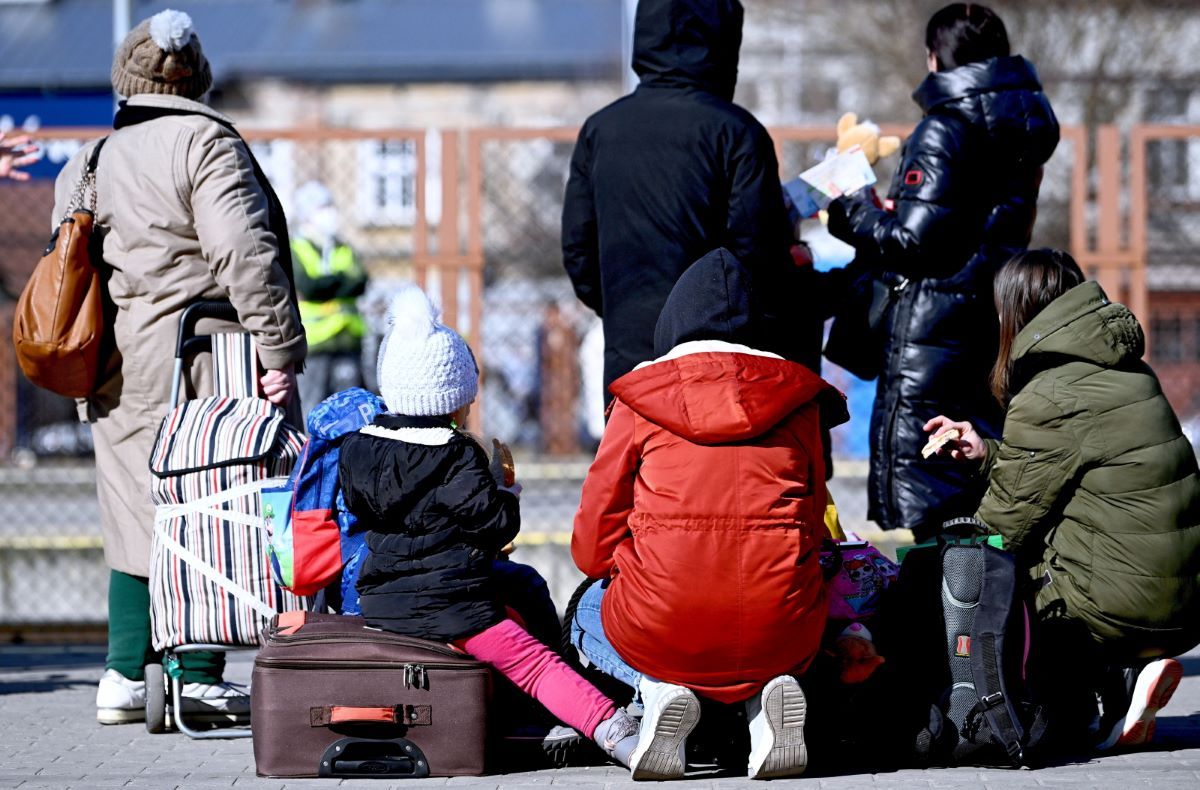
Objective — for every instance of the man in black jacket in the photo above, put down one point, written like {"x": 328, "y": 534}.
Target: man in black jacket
{"x": 965, "y": 199}
{"x": 668, "y": 173}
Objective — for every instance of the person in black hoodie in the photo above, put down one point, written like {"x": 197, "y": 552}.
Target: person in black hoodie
{"x": 965, "y": 199}
{"x": 436, "y": 514}
{"x": 670, "y": 172}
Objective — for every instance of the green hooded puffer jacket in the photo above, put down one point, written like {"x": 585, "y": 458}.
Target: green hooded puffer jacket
{"x": 1094, "y": 485}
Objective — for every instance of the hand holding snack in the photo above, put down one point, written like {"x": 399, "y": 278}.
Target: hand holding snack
{"x": 502, "y": 467}
{"x": 959, "y": 439}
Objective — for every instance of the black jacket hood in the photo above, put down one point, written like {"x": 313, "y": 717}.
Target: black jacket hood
{"x": 1002, "y": 96}
{"x": 712, "y": 300}
{"x": 688, "y": 43}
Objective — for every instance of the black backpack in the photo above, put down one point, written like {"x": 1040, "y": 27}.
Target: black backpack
{"x": 955, "y": 631}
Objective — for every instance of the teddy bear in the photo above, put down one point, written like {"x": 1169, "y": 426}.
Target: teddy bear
{"x": 865, "y": 135}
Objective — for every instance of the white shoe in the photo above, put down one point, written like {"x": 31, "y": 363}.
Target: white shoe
{"x": 221, "y": 700}
{"x": 1155, "y": 684}
{"x": 120, "y": 700}
{"x": 776, "y": 719}
{"x": 671, "y": 714}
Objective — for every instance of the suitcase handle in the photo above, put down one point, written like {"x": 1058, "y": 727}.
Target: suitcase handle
{"x": 408, "y": 715}
{"x": 339, "y": 714}
{"x": 397, "y": 758}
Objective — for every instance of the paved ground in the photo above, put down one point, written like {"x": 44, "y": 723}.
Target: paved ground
{"x": 49, "y": 739}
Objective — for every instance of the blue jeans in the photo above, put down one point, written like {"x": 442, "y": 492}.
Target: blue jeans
{"x": 587, "y": 634}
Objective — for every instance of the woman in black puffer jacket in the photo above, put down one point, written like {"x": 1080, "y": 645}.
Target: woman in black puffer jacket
{"x": 963, "y": 201}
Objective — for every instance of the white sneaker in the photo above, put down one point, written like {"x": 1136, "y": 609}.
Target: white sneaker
{"x": 220, "y": 700}
{"x": 776, "y": 719}
{"x": 671, "y": 714}
{"x": 1155, "y": 684}
{"x": 120, "y": 700}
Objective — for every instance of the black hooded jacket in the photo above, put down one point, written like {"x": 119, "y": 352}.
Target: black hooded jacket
{"x": 668, "y": 173}
{"x": 965, "y": 199}
{"x": 435, "y": 519}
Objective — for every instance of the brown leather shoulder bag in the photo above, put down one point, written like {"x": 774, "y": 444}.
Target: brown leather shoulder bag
{"x": 59, "y": 326}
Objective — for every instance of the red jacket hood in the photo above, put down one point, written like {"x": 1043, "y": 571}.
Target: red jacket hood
{"x": 714, "y": 397}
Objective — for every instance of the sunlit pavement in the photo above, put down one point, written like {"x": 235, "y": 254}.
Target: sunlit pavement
{"x": 49, "y": 739}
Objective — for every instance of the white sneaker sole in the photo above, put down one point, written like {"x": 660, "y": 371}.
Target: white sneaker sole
{"x": 120, "y": 715}
{"x": 661, "y": 757}
{"x": 785, "y": 753}
{"x": 1155, "y": 685}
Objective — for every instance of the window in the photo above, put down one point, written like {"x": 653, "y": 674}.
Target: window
{"x": 387, "y": 184}
{"x": 1169, "y": 161}
{"x": 1166, "y": 337}
{"x": 1168, "y": 166}
{"x": 1169, "y": 103}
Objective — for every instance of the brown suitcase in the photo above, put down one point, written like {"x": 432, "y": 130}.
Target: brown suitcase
{"x": 332, "y": 697}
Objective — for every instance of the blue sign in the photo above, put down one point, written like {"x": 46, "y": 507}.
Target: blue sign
{"x": 30, "y": 112}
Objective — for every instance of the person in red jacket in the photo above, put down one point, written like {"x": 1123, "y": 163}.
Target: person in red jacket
{"x": 702, "y": 517}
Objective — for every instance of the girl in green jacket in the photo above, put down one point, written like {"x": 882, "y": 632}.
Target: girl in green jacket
{"x": 1095, "y": 489}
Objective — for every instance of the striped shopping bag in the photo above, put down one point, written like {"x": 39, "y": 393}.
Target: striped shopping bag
{"x": 210, "y": 576}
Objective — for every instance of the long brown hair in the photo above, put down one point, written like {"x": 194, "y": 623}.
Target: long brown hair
{"x": 1024, "y": 287}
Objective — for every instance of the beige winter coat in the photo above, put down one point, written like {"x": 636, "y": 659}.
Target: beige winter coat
{"x": 186, "y": 220}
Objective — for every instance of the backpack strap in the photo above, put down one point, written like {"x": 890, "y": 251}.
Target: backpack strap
{"x": 992, "y": 616}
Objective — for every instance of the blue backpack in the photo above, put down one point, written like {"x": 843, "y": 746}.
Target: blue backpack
{"x": 314, "y": 537}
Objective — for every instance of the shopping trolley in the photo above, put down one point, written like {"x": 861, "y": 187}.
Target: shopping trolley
{"x": 210, "y": 578}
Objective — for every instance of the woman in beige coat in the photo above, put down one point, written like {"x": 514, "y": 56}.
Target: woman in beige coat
{"x": 187, "y": 219}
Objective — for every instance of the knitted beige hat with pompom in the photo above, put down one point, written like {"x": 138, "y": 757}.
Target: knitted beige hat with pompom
{"x": 162, "y": 55}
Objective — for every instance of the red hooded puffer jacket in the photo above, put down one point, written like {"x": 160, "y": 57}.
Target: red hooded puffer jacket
{"x": 705, "y": 505}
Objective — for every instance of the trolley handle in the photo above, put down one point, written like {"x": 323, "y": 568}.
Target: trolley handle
{"x": 188, "y": 340}
{"x": 193, "y": 313}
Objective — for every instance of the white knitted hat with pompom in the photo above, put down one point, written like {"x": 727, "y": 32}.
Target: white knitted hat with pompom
{"x": 425, "y": 368}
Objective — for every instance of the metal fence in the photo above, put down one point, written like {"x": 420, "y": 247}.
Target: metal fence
{"x": 474, "y": 216}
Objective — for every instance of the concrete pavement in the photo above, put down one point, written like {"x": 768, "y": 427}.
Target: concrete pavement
{"x": 49, "y": 739}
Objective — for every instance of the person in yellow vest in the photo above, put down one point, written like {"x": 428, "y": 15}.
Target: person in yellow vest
{"x": 329, "y": 281}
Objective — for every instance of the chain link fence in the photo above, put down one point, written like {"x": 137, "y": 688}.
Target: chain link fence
{"x": 476, "y": 217}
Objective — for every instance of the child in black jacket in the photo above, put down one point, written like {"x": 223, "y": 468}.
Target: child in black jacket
{"x": 436, "y": 516}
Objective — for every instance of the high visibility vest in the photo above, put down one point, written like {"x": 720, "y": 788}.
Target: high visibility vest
{"x": 325, "y": 322}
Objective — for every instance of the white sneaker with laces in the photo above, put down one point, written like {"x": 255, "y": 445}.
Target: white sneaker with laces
{"x": 221, "y": 700}
{"x": 120, "y": 700}
{"x": 776, "y": 719}
{"x": 672, "y": 712}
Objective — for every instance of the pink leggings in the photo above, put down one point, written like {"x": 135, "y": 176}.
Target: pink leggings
{"x": 540, "y": 673}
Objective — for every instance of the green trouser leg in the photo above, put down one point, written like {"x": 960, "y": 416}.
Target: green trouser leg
{"x": 129, "y": 649}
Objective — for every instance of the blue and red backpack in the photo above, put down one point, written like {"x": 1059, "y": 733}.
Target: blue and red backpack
{"x": 313, "y": 536}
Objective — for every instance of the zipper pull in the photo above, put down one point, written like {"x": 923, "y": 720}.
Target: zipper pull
{"x": 415, "y": 676}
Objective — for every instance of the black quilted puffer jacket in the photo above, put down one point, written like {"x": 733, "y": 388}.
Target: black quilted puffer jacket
{"x": 435, "y": 520}
{"x": 963, "y": 201}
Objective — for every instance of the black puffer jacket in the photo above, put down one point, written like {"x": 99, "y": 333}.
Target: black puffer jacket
{"x": 965, "y": 199}
{"x": 435, "y": 519}
{"x": 668, "y": 173}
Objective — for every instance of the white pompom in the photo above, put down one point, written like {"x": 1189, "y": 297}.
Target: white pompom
{"x": 171, "y": 30}
{"x": 411, "y": 313}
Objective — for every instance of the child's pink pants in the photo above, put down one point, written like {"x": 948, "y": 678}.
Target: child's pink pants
{"x": 540, "y": 673}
